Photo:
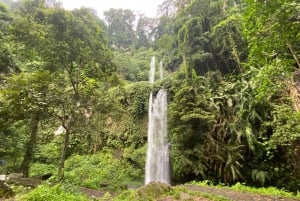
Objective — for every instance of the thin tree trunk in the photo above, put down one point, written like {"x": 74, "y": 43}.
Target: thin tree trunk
{"x": 30, "y": 145}
{"x": 294, "y": 55}
{"x": 61, "y": 164}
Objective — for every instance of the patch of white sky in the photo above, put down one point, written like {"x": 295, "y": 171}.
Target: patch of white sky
{"x": 147, "y": 7}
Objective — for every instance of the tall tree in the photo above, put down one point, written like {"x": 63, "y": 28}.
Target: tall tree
{"x": 71, "y": 48}
{"x": 79, "y": 54}
{"x": 7, "y": 60}
{"x": 144, "y": 29}
{"x": 120, "y": 27}
{"x": 196, "y": 25}
{"x": 272, "y": 29}
{"x": 25, "y": 93}
{"x": 25, "y": 99}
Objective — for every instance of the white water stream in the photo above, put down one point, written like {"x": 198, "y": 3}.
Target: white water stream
{"x": 157, "y": 161}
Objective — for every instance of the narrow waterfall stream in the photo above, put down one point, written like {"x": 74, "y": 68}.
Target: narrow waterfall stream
{"x": 157, "y": 160}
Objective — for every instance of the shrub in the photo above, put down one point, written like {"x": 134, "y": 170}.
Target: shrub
{"x": 53, "y": 193}
{"x": 152, "y": 191}
{"x": 101, "y": 170}
{"x": 41, "y": 169}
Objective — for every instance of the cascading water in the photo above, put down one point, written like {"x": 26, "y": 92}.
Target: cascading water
{"x": 157, "y": 161}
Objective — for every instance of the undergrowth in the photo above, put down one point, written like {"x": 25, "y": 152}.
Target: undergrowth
{"x": 61, "y": 192}
{"x": 157, "y": 191}
{"x": 102, "y": 170}
{"x": 262, "y": 190}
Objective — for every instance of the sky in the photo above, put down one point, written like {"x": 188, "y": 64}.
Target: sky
{"x": 147, "y": 7}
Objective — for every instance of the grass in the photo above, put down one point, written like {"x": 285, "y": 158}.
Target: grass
{"x": 272, "y": 191}
{"x": 178, "y": 189}
{"x": 62, "y": 192}
{"x": 65, "y": 191}
{"x": 265, "y": 191}
{"x": 160, "y": 191}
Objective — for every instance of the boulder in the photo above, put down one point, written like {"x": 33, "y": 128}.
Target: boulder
{"x": 154, "y": 189}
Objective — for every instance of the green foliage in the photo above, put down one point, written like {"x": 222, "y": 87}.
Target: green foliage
{"x": 259, "y": 176}
{"x": 7, "y": 58}
{"x": 285, "y": 140}
{"x": 136, "y": 156}
{"x": 126, "y": 195}
{"x": 209, "y": 38}
{"x": 50, "y": 152}
{"x": 272, "y": 191}
{"x": 188, "y": 119}
{"x": 38, "y": 169}
{"x": 63, "y": 192}
{"x": 26, "y": 94}
{"x": 120, "y": 27}
{"x": 133, "y": 65}
{"x": 264, "y": 191}
{"x": 264, "y": 81}
{"x": 272, "y": 31}
{"x": 228, "y": 44}
{"x": 56, "y": 68}
{"x": 137, "y": 98}
{"x": 63, "y": 57}
{"x": 152, "y": 191}
{"x": 125, "y": 125}
{"x": 204, "y": 131}
{"x": 26, "y": 99}
{"x": 103, "y": 170}
{"x": 11, "y": 149}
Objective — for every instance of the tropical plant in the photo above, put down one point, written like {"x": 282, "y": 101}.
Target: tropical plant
{"x": 64, "y": 192}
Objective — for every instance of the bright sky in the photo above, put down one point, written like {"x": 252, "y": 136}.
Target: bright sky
{"x": 148, "y": 7}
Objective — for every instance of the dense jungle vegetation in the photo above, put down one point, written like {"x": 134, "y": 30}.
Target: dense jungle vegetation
{"x": 74, "y": 91}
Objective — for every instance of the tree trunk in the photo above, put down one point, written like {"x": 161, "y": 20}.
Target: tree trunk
{"x": 61, "y": 164}
{"x": 30, "y": 145}
{"x": 294, "y": 55}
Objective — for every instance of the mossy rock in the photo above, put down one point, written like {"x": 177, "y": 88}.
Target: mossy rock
{"x": 153, "y": 190}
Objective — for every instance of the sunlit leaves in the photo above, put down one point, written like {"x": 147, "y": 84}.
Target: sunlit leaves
{"x": 270, "y": 29}
{"x": 26, "y": 93}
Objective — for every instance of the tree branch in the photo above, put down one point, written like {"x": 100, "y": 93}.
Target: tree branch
{"x": 294, "y": 55}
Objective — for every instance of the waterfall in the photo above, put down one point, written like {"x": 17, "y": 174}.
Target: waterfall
{"x": 157, "y": 160}
{"x": 152, "y": 71}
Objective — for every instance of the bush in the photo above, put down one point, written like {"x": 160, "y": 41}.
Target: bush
{"x": 152, "y": 191}
{"x": 101, "y": 170}
{"x": 53, "y": 193}
{"x": 41, "y": 169}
